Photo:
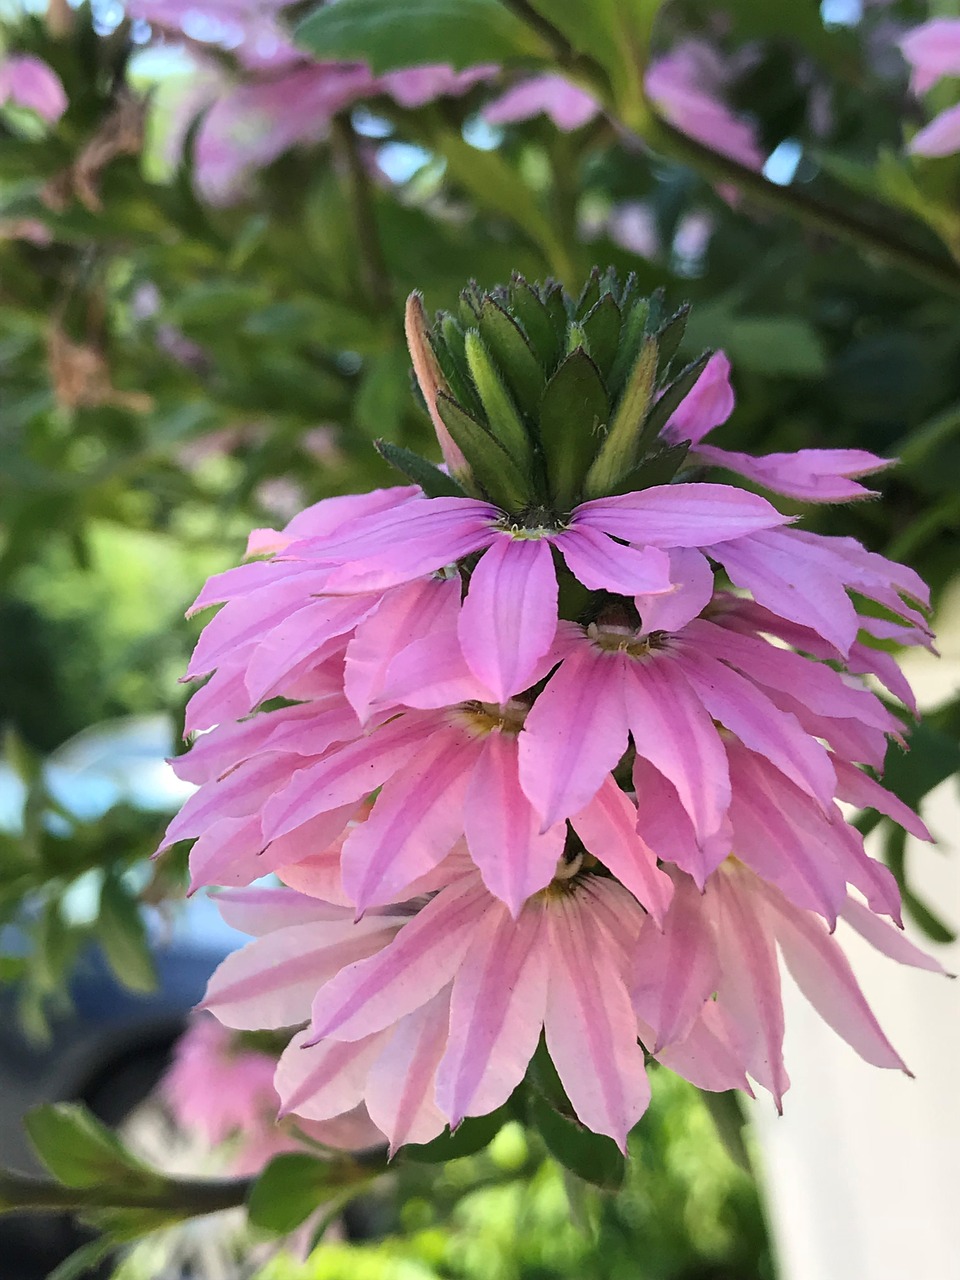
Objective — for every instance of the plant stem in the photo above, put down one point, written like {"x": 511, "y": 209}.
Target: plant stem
{"x": 940, "y": 272}
{"x": 187, "y": 1196}
{"x": 376, "y": 275}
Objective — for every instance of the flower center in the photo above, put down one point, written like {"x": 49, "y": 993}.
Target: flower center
{"x": 618, "y": 639}
{"x": 482, "y": 718}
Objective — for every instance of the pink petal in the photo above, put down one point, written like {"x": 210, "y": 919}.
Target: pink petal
{"x": 260, "y": 911}
{"x": 272, "y": 981}
{"x": 239, "y": 794}
{"x": 245, "y": 580}
{"x": 692, "y": 576}
{"x": 823, "y": 974}
{"x": 779, "y": 575}
{"x": 891, "y": 942}
{"x": 496, "y": 1014}
{"x": 432, "y": 673}
{"x": 223, "y": 748}
{"x": 608, "y": 829}
{"x": 746, "y": 711}
{"x": 671, "y": 729}
{"x": 665, "y": 826}
{"x": 567, "y": 105}
{"x": 575, "y": 733}
{"x": 941, "y": 137}
{"x": 514, "y": 857}
{"x": 227, "y": 852}
{"x": 858, "y": 788}
{"x": 705, "y": 1057}
{"x": 590, "y": 1025}
{"x": 876, "y": 882}
{"x": 425, "y": 955}
{"x": 706, "y": 406}
{"x": 866, "y": 660}
{"x": 346, "y": 775}
{"x": 417, "y": 818}
{"x": 400, "y": 1086}
{"x": 676, "y": 971}
{"x": 304, "y": 638}
{"x": 750, "y": 984}
{"x": 398, "y": 620}
{"x": 604, "y": 565}
{"x": 874, "y": 575}
{"x": 783, "y": 836}
{"x": 933, "y": 50}
{"x": 809, "y": 475}
{"x": 679, "y": 515}
{"x": 324, "y": 1080}
{"x": 509, "y": 617}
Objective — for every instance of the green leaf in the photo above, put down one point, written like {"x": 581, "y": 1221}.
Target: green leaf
{"x": 601, "y": 325}
{"x": 506, "y": 425}
{"x": 77, "y": 1149}
{"x": 537, "y": 323}
{"x": 619, "y": 452}
{"x": 389, "y": 34}
{"x": 730, "y": 1124}
{"x": 591, "y": 1156}
{"x": 572, "y": 413}
{"x": 512, "y": 352}
{"x": 434, "y": 482}
{"x": 123, "y": 938}
{"x": 290, "y": 1188}
{"x": 84, "y": 1260}
{"x": 773, "y": 345}
{"x": 470, "y": 1137}
{"x": 492, "y": 466}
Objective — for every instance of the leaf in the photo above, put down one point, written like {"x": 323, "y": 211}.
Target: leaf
{"x": 77, "y": 1149}
{"x": 591, "y": 1156}
{"x": 730, "y": 1124}
{"x": 123, "y": 938}
{"x": 512, "y": 352}
{"x": 601, "y": 325}
{"x": 656, "y": 468}
{"x": 537, "y": 323}
{"x": 290, "y": 1188}
{"x": 84, "y": 1260}
{"x": 574, "y": 408}
{"x": 434, "y": 482}
{"x": 490, "y": 463}
{"x": 389, "y": 34}
{"x": 470, "y": 1137}
{"x": 776, "y": 345}
{"x": 505, "y": 422}
{"x": 621, "y": 448}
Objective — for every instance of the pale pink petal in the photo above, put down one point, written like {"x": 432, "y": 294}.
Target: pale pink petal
{"x": 671, "y": 729}
{"x": 425, "y": 955}
{"x": 706, "y": 406}
{"x": 858, "y": 788}
{"x": 260, "y": 911}
{"x": 746, "y": 711}
{"x": 933, "y": 51}
{"x": 272, "y": 981}
{"x": 779, "y": 575}
{"x": 220, "y": 750}
{"x": 664, "y": 825}
{"x": 705, "y": 1057}
{"x": 567, "y": 105}
{"x": 575, "y": 733}
{"x": 864, "y": 659}
{"x": 941, "y": 137}
{"x": 608, "y": 829}
{"x": 304, "y": 638}
{"x": 431, "y": 673}
{"x": 782, "y": 835}
{"x": 590, "y": 1025}
{"x": 319, "y": 1081}
{"x": 604, "y": 565}
{"x": 400, "y": 1086}
{"x": 886, "y": 939}
{"x": 247, "y": 579}
{"x": 227, "y": 852}
{"x": 224, "y": 697}
{"x": 875, "y": 881}
{"x": 679, "y": 515}
{"x": 345, "y": 775}
{"x": 883, "y": 580}
{"x": 29, "y": 82}
{"x": 496, "y": 1014}
{"x": 509, "y": 617}
{"x": 823, "y": 974}
{"x": 692, "y": 576}
{"x": 241, "y": 793}
{"x": 675, "y": 972}
{"x": 416, "y": 820}
{"x": 400, "y": 618}
{"x": 750, "y": 984}
{"x": 502, "y": 827}
{"x": 809, "y": 475}
{"x": 304, "y": 859}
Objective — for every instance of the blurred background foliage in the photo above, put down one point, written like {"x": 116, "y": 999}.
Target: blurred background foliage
{"x": 180, "y": 363}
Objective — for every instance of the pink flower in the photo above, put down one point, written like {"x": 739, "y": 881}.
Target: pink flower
{"x": 685, "y": 85}
{"x": 933, "y": 51}
{"x": 416, "y": 86}
{"x": 224, "y": 1092}
{"x": 568, "y": 106}
{"x": 28, "y": 82}
{"x": 809, "y": 475}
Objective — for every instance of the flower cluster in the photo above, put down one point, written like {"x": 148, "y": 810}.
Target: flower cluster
{"x": 552, "y": 742}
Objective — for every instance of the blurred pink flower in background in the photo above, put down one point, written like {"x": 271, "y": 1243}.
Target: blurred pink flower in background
{"x": 933, "y": 51}
{"x": 26, "y": 81}
{"x": 568, "y": 106}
